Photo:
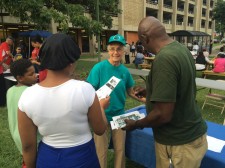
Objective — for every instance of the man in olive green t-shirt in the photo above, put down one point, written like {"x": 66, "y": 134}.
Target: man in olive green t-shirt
{"x": 178, "y": 127}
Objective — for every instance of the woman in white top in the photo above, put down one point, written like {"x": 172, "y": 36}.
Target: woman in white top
{"x": 62, "y": 109}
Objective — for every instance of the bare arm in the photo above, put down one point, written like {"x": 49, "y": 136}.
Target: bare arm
{"x": 161, "y": 114}
{"x": 3, "y": 60}
{"x": 9, "y": 53}
{"x": 33, "y": 61}
{"x": 6, "y": 57}
{"x": 28, "y": 135}
{"x": 96, "y": 115}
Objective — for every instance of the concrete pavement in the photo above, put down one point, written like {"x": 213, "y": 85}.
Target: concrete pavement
{"x": 216, "y": 49}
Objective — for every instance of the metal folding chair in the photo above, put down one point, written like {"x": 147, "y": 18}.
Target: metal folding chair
{"x": 216, "y": 100}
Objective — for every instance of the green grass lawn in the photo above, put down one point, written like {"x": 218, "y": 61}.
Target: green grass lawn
{"x": 10, "y": 157}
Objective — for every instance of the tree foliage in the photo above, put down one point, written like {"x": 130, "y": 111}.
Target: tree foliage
{"x": 218, "y": 15}
{"x": 41, "y": 12}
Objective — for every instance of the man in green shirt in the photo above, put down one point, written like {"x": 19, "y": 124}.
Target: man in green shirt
{"x": 178, "y": 127}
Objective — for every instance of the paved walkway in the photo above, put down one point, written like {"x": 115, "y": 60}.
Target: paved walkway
{"x": 216, "y": 49}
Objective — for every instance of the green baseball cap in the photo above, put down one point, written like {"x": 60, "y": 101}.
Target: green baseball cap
{"x": 117, "y": 39}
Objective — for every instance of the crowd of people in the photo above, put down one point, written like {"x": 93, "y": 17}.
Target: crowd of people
{"x": 137, "y": 51}
{"x": 10, "y": 51}
{"x": 66, "y": 112}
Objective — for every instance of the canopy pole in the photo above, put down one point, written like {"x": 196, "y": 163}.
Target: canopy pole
{"x": 29, "y": 49}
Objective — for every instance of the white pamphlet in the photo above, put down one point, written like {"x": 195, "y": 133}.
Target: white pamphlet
{"x": 118, "y": 121}
{"x": 107, "y": 88}
{"x": 214, "y": 144}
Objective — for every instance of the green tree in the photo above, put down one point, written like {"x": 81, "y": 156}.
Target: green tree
{"x": 218, "y": 15}
{"x": 41, "y": 12}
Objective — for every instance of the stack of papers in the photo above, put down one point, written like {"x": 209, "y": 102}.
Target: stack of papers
{"x": 118, "y": 121}
{"x": 107, "y": 88}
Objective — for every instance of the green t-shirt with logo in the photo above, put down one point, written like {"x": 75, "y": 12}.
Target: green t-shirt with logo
{"x": 172, "y": 79}
{"x": 100, "y": 74}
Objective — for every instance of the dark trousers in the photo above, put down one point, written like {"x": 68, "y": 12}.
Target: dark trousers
{"x": 210, "y": 49}
{"x": 2, "y": 90}
{"x": 127, "y": 59}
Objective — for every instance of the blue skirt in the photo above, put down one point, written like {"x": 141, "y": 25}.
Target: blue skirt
{"x": 83, "y": 156}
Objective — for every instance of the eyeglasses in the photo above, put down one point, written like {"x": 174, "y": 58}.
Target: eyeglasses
{"x": 119, "y": 49}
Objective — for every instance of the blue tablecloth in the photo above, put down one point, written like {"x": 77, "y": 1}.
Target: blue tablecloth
{"x": 140, "y": 145}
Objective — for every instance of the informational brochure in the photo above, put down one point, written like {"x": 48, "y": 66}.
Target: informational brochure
{"x": 118, "y": 121}
{"x": 215, "y": 144}
{"x": 107, "y": 88}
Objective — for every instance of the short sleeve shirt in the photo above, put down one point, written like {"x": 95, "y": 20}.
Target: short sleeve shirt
{"x": 172, "y": 79}
{"x": 100, "y": 74}
{"x": 4, "y": 47}
{"x": 34, "y": 54}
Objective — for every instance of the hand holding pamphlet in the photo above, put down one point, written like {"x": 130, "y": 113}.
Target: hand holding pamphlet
{"x": 107, "y": 88}
{"x": 118, "y": 121}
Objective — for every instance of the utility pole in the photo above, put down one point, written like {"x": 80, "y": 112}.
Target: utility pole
{"x": 98, "y": 35}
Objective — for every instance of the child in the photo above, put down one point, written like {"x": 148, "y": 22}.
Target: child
{"x": 24, "y": 73}
{"x": 18, "y": 54}
{"x": 139, "y": 57}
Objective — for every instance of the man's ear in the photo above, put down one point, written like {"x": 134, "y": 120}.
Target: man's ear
{"x": 145, "y": 38}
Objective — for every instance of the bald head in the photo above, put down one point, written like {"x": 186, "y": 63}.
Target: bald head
{"x": 9, "y": 40}
{"x": 152, "y": 33}
{"x": 151, "y": 26}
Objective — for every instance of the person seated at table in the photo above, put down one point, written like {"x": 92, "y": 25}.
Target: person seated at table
{"x": 219, "y": 63}
{"x": 62, "y": 109}
{"x": 23, "y": 71}
{"x": 219, "y": 53}
{"x": 139, "y": 58}
{"x": 200, "y": 62}
{"x": 147, "y": 53}
{"x": 200, "y": 59}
